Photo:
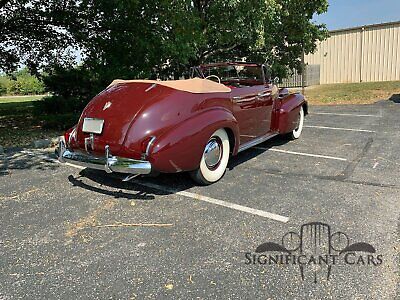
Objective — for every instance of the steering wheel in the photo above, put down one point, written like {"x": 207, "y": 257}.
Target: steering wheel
{"x": 214, "y": 76}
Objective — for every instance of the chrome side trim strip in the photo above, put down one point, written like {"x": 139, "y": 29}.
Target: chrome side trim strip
{"x": 257, "y": 141}
{"x": 151, "y": 87}
{"x": 250, "y": 136}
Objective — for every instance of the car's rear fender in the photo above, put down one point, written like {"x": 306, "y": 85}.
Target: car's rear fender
{"x": 181, "y": 147}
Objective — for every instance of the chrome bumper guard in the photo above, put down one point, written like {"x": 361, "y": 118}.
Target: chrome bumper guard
{"x": 108, "y": 162}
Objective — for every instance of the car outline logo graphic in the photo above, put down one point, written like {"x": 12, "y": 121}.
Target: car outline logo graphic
{"x": 315, "y": 243}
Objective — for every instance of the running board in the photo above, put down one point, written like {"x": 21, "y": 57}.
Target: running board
{"x": 256, "y": 141}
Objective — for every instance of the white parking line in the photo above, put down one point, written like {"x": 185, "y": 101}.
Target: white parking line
{"x": 49, "y": 159}
{"x": 338, "y": 128}
{"x": 234, "y": 206}
{"x": 343, "y": 114}
{"x": 302, "y": 153}
{"x": 249, "y": 210}
{"x": 74, "y": 166}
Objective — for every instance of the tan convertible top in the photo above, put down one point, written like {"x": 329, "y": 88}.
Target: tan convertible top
{"x": 195, "y": 85}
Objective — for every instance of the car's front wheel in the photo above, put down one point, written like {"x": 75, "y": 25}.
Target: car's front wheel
{"x": 214, "y": 160}
{"x": 295, "y": 134}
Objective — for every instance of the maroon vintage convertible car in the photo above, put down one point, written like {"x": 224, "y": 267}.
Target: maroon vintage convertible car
{"x": 142, "y": 126}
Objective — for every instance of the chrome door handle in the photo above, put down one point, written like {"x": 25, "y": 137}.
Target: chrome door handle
{"x": 242, "y": 100}
{"x": 281, "y": 96}
{"x": 238, "y": 99}
{"x": 264, "y": 94}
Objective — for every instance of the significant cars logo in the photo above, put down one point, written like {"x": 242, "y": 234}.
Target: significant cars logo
{"x": 315, "y": 250}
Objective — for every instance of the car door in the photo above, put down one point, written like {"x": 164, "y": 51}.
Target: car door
{"x": 266, "y": 98}
{"x": 248, "y": 111}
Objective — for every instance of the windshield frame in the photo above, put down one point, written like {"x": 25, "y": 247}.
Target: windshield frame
{"x": 198, "y": 71}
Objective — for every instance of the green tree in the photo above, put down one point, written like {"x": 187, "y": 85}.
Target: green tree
{"x": 21, "y": 83}
{"x": 4, "y": 84}
{"x": 149, "y": 38}
{"x": 33, "y": 33}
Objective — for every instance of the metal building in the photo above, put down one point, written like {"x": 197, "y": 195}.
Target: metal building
{"x": 360, "y": 54}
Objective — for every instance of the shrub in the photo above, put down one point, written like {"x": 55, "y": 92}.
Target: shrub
{"x": 71, "y": 88}
{"x": 58, "y": 105}
{"x": 60, "y": 121}
{"x": 13, "y": 88}
{"x": 29, "y": 85}
{"x": 21, "y": 83}
{"x": 4, "y": 85}
{"x": 77, "y": 83}
{"x": 57, "y": 113}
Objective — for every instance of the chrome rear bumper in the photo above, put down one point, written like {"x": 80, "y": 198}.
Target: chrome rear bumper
{"x": 108, "y": 162}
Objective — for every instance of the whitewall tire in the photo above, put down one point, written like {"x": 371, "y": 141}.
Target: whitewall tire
{"x": 295, "y": 134}
{"x": 214, "y": 160}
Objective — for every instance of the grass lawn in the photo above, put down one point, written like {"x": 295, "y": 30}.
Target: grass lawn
{"x": 19, "y": 126}
{"x": 17, "y": 105}
{"x": 352, "y": 93}
{"x": 13, "y": 99}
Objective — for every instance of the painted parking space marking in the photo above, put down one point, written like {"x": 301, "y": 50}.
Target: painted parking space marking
{"x": 75, "y": 166}
{"x": 302, "y": 153}
{"x": 249, "y": 210}
{"x": 338, "y": 128}
{"x": 345, "y": 114}
{"x": 49, "y": 159}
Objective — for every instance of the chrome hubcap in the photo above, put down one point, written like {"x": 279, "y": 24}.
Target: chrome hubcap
{"x": 212, "y": 153}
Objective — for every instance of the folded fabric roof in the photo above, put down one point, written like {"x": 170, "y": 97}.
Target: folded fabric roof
{"x": 194, "y": 85}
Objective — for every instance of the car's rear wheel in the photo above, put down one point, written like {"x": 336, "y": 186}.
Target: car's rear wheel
{"x": 214, "y": 160}
{"x": 296, "y": 133}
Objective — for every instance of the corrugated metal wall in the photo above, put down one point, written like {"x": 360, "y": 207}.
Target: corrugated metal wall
{"x": 370, "y": 53}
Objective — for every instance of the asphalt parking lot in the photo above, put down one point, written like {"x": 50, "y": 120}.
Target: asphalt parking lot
{"x": 71, "y": 233}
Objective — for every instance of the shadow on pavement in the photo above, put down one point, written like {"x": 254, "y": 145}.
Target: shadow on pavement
{"x": 251, "y": 153}
{"x": 139, "y": 195}
{"x": 171, "y": 182}
{"x": 132, "y": 189}
{"x": 20, "y": 159}
{"x": 395, "y": 98}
